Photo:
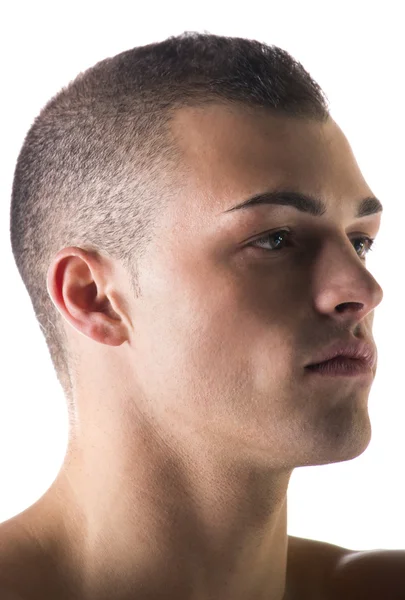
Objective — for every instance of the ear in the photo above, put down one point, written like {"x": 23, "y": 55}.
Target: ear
{"x": 80, "y": 286}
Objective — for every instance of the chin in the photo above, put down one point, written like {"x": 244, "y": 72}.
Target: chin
{"x": 339, "y": 442}
{"x": 350, "y": 449}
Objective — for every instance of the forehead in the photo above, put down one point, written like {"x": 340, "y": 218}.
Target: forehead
{"x": 230, "y": 152}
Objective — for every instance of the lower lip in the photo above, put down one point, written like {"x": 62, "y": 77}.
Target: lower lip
{"x": 349, "y": 367}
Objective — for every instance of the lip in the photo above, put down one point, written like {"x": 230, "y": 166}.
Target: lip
{"x": 361, "y": 350}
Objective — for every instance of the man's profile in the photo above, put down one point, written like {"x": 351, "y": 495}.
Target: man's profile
{"x": 192, "y": 228}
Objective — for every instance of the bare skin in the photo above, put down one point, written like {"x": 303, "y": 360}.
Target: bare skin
{"x": 193, "y": 407}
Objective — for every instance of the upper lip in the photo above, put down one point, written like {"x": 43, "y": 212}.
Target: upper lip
{"x": 358, "y": 349}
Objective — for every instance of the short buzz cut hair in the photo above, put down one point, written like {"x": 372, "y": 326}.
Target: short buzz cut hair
{"x": 99, "y": 154}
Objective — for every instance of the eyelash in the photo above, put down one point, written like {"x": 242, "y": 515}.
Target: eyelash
{"x": 368, "y": 240}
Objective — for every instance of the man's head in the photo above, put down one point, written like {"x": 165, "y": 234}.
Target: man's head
{"x": 145, "y": 283}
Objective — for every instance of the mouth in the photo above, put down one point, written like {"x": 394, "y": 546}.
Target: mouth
{"x": 341, "y": 365}
{"x": 361, "y": 351}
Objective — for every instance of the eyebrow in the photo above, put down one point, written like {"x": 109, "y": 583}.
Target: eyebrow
{"x": 306, "y": 203}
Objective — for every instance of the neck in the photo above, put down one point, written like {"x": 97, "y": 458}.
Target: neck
{"x": 139, "y": 516}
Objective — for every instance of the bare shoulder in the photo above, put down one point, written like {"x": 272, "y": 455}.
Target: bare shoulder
{"x": 310, "y": 565}
{"x": 371, "y": 574}
{"x": 21, "y": 562}
{"x": 14, "y": 549}
{"x": 334, "y": 572}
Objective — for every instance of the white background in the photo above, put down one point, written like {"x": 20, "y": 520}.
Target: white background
{"x": 356, "y": 51}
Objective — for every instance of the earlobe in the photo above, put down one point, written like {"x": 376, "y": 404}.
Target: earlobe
{"x": 101, "y": 328}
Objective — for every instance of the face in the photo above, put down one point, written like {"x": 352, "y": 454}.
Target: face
{"x": 224, "y": 327}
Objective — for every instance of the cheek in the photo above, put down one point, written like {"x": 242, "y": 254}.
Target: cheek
{"x": 211, "y": 333}
{"x": 222, "y": 329}
{"x": 195, "y": 345}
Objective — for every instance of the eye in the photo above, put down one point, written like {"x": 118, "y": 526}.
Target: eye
{"x": 365, "y": 240}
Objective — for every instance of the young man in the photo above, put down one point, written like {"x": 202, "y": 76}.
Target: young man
{"x": 192, "y": 228}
